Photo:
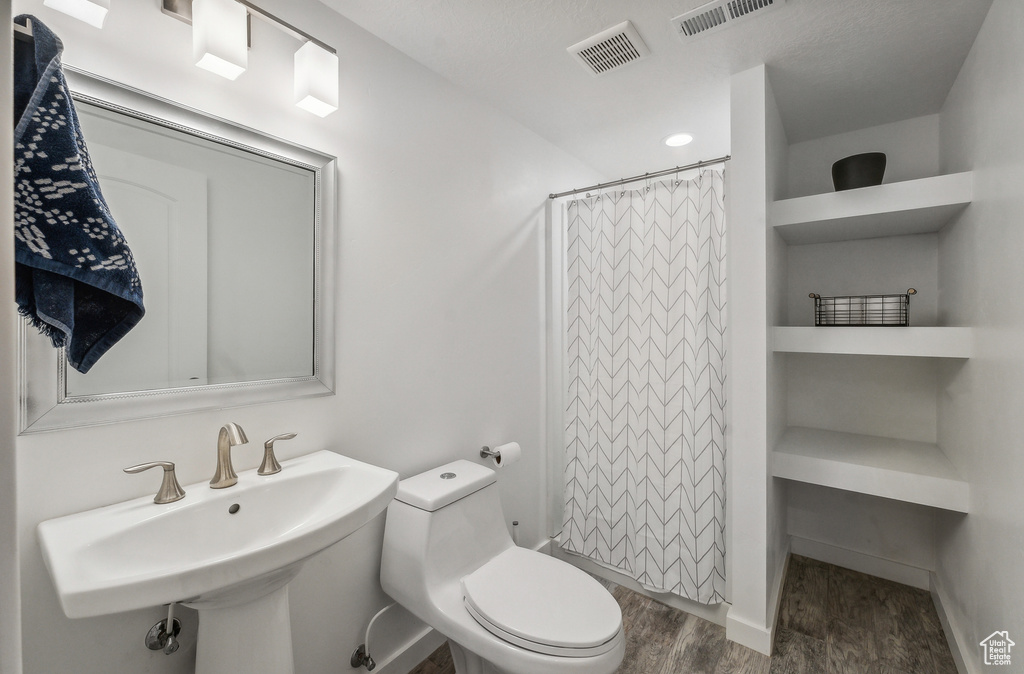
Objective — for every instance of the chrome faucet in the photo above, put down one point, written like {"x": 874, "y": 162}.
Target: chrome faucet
{"x": 230, "y": 435}
{"x": 270, "y": 465}
{"x": 170, "y": 490}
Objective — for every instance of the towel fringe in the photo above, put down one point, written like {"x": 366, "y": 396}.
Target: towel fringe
{"x": 57, "y": 337}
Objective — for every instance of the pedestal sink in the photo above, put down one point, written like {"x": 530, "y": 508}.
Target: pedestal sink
{"x": 229, "y": 553}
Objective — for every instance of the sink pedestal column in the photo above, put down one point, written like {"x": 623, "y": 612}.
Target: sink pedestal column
{"x": 254, "y": 637}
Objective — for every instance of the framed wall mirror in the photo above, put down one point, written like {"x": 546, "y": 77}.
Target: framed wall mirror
{"x": 233, "y": 234}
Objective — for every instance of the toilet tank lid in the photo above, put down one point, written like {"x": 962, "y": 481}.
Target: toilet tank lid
{"x": 441, "y": 486}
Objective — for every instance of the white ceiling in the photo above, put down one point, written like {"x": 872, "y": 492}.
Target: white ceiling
{"x": 835, "y": 65}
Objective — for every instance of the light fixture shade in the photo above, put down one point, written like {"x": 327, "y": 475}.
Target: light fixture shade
{"x": 316, "y": 79}
{"x": 220, "y": 37}
{"x": 90, "y": 11}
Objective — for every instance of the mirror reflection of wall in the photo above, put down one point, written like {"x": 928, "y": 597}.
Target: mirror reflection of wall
{"x": 224, "y": 242}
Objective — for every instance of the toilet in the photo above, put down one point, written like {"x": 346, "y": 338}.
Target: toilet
{"x": 449, "y": 560}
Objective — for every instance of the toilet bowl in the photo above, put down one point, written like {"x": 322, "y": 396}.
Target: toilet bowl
{"x": 448, "y": 559}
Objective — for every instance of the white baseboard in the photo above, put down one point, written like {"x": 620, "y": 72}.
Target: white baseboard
{"x": 745, "y": 633}
{"x": 546, "y": 546}
{"x": 965, "y": 658}
{"x": 778, "y": 585}
{"x": 858, "y": 561}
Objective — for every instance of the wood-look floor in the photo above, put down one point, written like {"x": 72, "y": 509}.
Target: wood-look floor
{"x": 831, "y": 621}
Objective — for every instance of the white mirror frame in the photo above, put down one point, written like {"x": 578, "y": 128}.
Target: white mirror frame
{"x": 45, "y": 404}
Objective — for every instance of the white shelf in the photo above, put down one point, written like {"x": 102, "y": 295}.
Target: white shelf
{"x": 871, "y": 341}
{"x": 909, "y": 207}
{"x": 915, "y": 472}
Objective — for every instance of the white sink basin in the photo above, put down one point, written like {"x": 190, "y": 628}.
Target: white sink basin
{"x": 138, "y": 554}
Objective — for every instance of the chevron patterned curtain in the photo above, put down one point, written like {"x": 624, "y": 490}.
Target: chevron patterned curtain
{"x": 645, "y": 420}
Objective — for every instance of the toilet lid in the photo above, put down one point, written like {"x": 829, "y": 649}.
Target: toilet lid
{"x": 543, "y": 604}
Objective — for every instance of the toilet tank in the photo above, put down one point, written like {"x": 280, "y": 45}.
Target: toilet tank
{"x": 437, "y": 488}
{"x": 443, "y": 524}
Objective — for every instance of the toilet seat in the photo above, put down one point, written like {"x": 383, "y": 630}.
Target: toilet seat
{"x": 542, "y": 604}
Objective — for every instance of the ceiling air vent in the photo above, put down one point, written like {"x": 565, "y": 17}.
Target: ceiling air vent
{"x": 610, "y": 49}
{"x": 719, "y": 14}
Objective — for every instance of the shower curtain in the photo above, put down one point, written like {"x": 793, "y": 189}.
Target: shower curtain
{"x": 645, "y": 416}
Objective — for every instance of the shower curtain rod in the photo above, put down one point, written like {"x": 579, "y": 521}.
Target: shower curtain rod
{"x": 656, "y": 174}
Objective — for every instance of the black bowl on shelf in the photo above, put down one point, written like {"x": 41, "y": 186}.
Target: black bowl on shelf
{"x": 859, "y": 170}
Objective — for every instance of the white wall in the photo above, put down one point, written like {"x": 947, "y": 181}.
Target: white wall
{"x": 747, "y": 473}
{"x": 911, "y": 148}
{"x": 890, "y": 397}
{"x": 757, "y": 545}
{"x": 10, "y": 586}
{"x": 981, "y": 283}
{"x": 440, "y": 318}
{"x": 887, "y": 530}
{"x": 878, "y": 266}
{"x": 777, "y": 254}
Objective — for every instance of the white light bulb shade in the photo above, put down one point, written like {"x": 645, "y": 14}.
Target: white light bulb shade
{"x": 220, "y": 37}
{"x": 316, "y": 79}
{"x": 90, "y": 11}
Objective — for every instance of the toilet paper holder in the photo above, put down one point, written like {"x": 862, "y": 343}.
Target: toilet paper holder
{"x": 502, "y": 455}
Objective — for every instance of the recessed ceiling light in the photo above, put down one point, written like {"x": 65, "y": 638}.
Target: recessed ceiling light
{"x": 678, "y": 139}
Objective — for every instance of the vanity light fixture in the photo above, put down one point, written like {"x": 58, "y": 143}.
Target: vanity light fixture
{"x": 91, "y": 12}
{"x": 316, "y": 63}
{"x": 316, "y": 79}
{"x": 220, "y": 37}
{"x": 678, "y": 139}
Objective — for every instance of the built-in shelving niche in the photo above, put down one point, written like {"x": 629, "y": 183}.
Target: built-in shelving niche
{"x": 896, "y": 209}
{"x": 871, "y": 341}
{"x": 914, "y": 472}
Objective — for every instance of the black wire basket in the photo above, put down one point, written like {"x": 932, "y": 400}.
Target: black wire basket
{"x": 876, "y": 310}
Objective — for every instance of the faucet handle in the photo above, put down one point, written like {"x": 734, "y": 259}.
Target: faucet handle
{"x": 270, "y": 464}
{"x": 170, "y": 491}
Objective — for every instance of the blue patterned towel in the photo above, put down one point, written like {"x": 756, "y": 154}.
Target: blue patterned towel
{"x": 75, "y": 278}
